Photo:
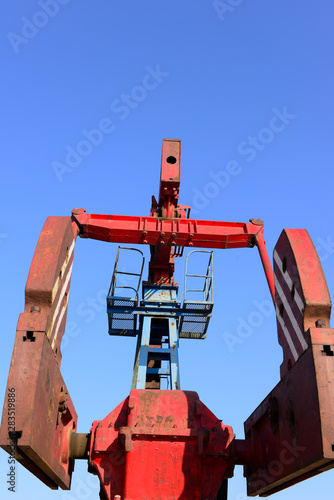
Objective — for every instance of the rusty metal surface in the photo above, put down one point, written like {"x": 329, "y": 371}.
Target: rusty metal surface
{"x": 301, "y": 292}
{"x": 79, "y": 445}
{"x": 45, "y": 431}
{"x": 48, "y": 283}
{"x": 170, "y": 177}
{"x": 161, "y": 444}
{"x": 45, "y": 416}
{"x": 290, "y": 435}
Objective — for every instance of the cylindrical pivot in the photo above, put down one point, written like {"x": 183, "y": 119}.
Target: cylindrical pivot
{"x": 79, "y": 445}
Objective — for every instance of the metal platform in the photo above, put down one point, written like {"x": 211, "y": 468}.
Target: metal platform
{"x": 194, "y": 321}
{"x": 122, "y": 317}
{"x": 196, "y": 313}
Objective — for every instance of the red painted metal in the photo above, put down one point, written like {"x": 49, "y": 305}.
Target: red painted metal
{"x": 44, "y": 414}
{"x": 168, "y": 228}
{"x": 162, "y": 234}
{"x": 169, "y": 178}
{"x": 266, "y": 263}
{"x": 302, "y": 295}
{"x": 180, "y": 232}
{"x": 161, "y": 266}
{"x": 161, "y": 444}
{"x": 291, "y": 434}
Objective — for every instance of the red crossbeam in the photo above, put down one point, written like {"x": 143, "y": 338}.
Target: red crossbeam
{"x": 178, "y": 232}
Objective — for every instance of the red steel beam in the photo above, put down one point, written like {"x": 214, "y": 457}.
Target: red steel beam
{"x": 266, "y": 263}
{"x": 161, "y": 267}
{"x": 174, "y": 232}
{"x": 170, "y": 176}
{"x": 134, "y": 230}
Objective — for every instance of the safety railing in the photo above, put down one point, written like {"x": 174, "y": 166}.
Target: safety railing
{"x": 122, "y": 298}
{"x": 197, "y": 311}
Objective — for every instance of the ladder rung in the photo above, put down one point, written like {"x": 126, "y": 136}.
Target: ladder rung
{"x": 199, "y": 275}
{"x": 159, "y": 356}
{"x": 129, "y": 274}
{"x": 158, "y": 371}
{"x": 160, "y": 350}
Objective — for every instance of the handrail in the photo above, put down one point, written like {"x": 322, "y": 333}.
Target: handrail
{"x": 208, "y": 279}
{"x": 113, "y": 284}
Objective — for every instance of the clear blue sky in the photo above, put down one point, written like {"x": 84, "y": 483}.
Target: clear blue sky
{"x": 142, "y": 71}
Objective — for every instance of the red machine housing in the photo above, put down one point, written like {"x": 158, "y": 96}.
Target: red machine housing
{"x": 161, "y": 444}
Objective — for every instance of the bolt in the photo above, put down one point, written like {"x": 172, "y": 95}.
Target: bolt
{"x": 256, "y": 222}
{"x": 78, "y": 211}
{"x": 62, "y": 401}
{"x": 15, "y": 435}
{"x": 173, "y": 235}
{"x": 64, "y": 457}
{"x": 35, "y": 309}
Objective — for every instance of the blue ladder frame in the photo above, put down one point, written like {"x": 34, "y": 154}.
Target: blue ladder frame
{"x": 147, "y": 353}
{"x": 160, "y": 300}
{"x": 159, "y": 321}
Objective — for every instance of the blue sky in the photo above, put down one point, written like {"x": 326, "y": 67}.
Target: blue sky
{"x": 248, "y": 84}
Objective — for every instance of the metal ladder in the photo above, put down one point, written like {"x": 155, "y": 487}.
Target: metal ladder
{"x": 149, "y": 369}
{"x": 158, "y": 341}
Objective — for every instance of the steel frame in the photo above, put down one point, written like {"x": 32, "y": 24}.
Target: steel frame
{"x": 288, "y": 438}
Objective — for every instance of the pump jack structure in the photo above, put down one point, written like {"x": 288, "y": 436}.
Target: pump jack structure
{"x": 166, "y": 444}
